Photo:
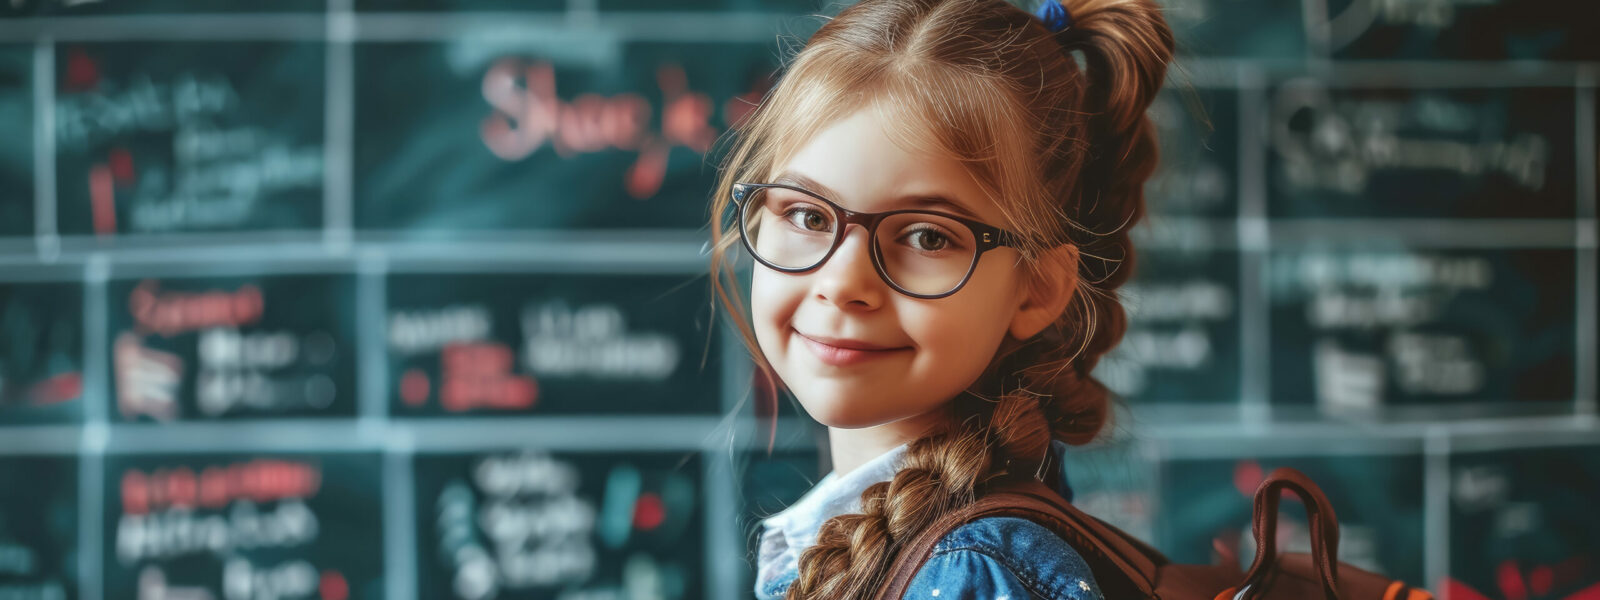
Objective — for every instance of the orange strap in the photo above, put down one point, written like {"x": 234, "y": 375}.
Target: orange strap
{"x": 1393, "y": 593}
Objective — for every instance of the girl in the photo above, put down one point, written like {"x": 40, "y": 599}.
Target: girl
{"x": 938, "y": 196}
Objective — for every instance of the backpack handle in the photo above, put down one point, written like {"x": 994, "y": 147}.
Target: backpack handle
{"x": 1324, "y": 532}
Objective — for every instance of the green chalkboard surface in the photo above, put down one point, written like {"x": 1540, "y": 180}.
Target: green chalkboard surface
{"x": 1377, "y": 497}
{"x": 41, "y": 354}
{"x": 171, "y": 7}
{"x": 1364, "y": 330}
{"x": 1115, "y": 482}
{"x": 16, "y": 127}
{"x": 559, "y": 131}
{"x": 1237, "y": 28}
{"x": 1522, "y": 523}
{"x": 1182, "y": 342}
{"x": 769, "y": 483}
{"x": 791, "y": 6}
{"x": 532, "y": 524}
{"x": 1500, "y": 152}
{"x": 1198, "y": 130}
{"x": 549, "y": 6}
{"x": 232, "y": 347}
{"x": 1499, "y": 30}
{"x": 39, "y": 527}
{"x": 295, "y": 525}
{"x": 166, "y": 137}
{"x": 550, "y": 344}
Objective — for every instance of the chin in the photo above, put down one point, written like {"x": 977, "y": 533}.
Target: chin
{"x": 842, "y": 413}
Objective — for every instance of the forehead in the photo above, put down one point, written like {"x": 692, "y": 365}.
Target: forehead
{"x": 862, "y": 163}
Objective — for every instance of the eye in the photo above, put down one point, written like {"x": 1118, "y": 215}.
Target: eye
{"x": 927, "y": 239}
{"x": 807, "y": 217}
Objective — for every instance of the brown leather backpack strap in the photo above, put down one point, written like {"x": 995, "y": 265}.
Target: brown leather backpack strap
{"x": 1324, "y": 531}
{"x": 1104, "y": 548}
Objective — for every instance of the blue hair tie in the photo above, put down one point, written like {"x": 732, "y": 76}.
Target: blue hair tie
{"x": 1054, "y": 15}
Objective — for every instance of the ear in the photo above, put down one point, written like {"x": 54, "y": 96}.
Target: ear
{"x": 1045, "y": 296}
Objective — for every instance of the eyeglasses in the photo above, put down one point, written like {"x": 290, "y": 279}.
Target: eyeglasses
{"x": 922, "y": 254}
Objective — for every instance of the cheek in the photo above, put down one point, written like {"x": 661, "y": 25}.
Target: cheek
{"x": 963, "y": 331}
{"x": 772, "y": 304}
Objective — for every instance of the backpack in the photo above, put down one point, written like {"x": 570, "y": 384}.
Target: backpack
{"x": 1127, "y": 568}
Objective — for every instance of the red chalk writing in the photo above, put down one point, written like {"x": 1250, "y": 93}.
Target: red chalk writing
{"x": 172, "y": 313}
{"x": 260, "y": 480}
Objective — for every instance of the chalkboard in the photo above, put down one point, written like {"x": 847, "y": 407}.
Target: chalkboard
{"x": 550, "y": 344}
{"x": 793, "y": 6}
{"x": 769, "y": 483}
{"x": 1182, "y": 342}
{"x": 1198, "y": 131}
{"x": 1502, "y": 152}
{"x": 1241, "y": 28}
{"x": 232, "y": 347}
{"x": 535, "y": 524}
{"x": 41, "y": 354}
{"x": 39, "y": 527}
{"x": 1378, "y": 499}
{"x": 1502, "y": 30}
{"x": 1522, "y": 523}
{"x": 528, "y": 6}
{"x": 16, "y": 125}
{"x": 419, "y": 270}
{"x": 1369, "y": 329}
{"x": 565, "y": 131}
{"x": 168, "y": 137}
{"x": 1116, "y": 482}
{"x": 296, "y": 525}
{"x": 65, "y": 8}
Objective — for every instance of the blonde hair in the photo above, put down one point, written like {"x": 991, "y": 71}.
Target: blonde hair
{"x": 1062, "y": 150}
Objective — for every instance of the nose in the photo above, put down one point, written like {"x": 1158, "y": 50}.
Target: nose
{"x": 848, "y": 279}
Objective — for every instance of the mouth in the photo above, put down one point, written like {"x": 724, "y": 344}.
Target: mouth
{"x": 844, "y": 352}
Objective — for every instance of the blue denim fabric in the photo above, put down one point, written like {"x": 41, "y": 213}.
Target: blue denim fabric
{"x": 1004, "y": 557}
{"x": 991, "y": 559}
{"x": 994, "y": 558}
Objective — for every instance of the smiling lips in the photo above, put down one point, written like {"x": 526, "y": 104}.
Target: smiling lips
{"x": 842, "y": 352}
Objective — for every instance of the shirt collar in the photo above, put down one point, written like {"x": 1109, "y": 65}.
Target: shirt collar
{"x": 786, "y": 534}
{"x": 794, "y": 529}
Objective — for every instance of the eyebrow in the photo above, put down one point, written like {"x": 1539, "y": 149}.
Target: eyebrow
{"x": 917, "y": 200}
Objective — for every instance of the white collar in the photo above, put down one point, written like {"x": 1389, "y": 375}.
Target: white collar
{"x": 787, "y": 533}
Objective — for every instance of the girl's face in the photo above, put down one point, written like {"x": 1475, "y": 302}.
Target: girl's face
{"x": 932, "y": 349}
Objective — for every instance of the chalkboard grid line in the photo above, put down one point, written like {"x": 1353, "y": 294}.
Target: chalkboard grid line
{"x": 553, "y": 252}
{"x": 399, "y": 525}
{"x": 167, "y": 28}
{"x": 722, "y": 509}
{"x": 1254, "y": 325}
{"x": 1588, "y": 300}
{"x": 95, "y": 435}
{"x": 1428, "y": 232}
{"x": 744, "y": 27}
{"x": 1436, "y": 508}
{"x": 47, "y": 241}
{"x": 91, "y": 526}
{"x": 372, "y": 338}
{"x": 1314, "y": 18}
{"x": 96, "y": 342}
{"x": 709, "y": 434}
{"x": 338, "y": 205}
{"x": 583, "y": 11}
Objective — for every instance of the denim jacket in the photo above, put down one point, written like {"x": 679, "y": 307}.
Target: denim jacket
{"x": 992, "y": 558}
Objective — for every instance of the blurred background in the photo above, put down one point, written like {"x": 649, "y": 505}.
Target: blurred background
{"x": 406, "y": 298}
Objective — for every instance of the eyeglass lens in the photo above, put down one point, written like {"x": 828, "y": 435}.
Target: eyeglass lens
{"x": 921, "y": 253}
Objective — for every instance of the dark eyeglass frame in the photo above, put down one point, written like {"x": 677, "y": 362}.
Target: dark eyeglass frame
{"x": 988, "y": 237}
